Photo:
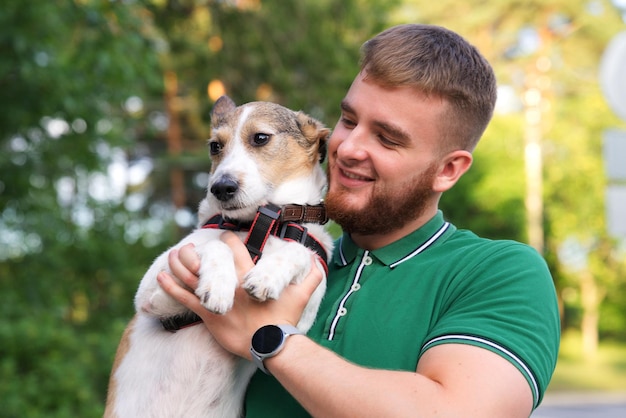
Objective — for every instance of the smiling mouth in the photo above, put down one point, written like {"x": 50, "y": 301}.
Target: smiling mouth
{"x": 354, "y": 176}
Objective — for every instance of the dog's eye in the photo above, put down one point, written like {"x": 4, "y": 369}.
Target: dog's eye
{"x": 260, "y": 139}
{"x": 215, "y": 147}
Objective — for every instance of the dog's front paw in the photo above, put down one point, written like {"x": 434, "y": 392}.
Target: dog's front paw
{"x": 216, "y": 299}
{"x": 217, "y": 278}
{"x": 262, "y": 286}
{"x": 276, "y": 271}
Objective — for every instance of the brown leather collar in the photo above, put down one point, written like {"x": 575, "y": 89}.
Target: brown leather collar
{"x": 304, "y": 213}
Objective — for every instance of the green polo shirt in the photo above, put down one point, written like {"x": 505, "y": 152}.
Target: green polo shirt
{"x": 439, "y": 285}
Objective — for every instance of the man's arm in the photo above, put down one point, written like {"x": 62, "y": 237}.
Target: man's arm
{"x": 451, "y": 380}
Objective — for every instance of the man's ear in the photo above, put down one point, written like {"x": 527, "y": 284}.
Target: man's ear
{"x": 452, "y": 167}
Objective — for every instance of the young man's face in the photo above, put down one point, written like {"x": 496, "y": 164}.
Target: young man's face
{"x": 383, "y": 158}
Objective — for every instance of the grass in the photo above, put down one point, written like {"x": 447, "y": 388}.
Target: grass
{"x": 604, "y": 372}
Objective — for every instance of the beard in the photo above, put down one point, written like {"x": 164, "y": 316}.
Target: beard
{"x": 388, "y": 209}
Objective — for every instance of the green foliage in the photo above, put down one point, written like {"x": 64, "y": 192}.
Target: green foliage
{"x": 606, "y": 372}
{"x": 488, "y": 198}
{"x": 64, "y": 310}
{"x": 52, "y": 369}
{"x": 63, "y": 78}
{"x": 70, "y": 60}
{"x": 67, "y": 274}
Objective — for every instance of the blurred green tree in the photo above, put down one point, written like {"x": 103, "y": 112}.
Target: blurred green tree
{"x": 67, "y": 72}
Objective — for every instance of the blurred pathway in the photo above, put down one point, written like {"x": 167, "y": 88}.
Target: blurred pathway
{"x": 582, "y": 405}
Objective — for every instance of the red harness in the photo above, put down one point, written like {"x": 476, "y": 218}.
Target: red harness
{"x": 270, "y": 220}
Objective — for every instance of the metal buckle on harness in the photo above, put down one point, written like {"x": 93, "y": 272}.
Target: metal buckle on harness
{"x": 269, "y": 211}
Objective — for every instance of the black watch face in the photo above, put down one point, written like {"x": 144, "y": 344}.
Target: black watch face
{"x": 267, "y": 339}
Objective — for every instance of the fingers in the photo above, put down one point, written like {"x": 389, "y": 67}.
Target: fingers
{"x": 296, "y": 296}
{"x": 182, "y": 295}
{"x": 311, "y": 281}
{"x": 315, "y": 276}
{"x": 184, "y": 264}
{"x": 190, "y": 258}
{"x": 243, "y": 261}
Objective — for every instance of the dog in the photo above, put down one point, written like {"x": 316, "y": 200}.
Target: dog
{"x": 265, "y": 170}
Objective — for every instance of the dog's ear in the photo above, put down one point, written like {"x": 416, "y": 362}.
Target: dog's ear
{"x": 315, "y": 132}
{"x": 323, "y": 148}
{"x": 222, "y": 106}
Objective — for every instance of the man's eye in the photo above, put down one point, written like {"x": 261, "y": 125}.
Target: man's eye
{"x": 347, "y": 123}
{"x": 386, "y": 141}
{"x": 260, "y": 139}
{"x": 215, "y": 148}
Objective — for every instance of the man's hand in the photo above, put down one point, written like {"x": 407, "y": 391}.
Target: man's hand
{"x": 234, "y": 329}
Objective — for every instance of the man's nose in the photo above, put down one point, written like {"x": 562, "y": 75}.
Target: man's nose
{"x": 353, "y": 144}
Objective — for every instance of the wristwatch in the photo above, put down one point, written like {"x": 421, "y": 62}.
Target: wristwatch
{"x": 268, "y": 340}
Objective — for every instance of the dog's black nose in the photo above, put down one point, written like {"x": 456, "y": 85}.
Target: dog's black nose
{"x": 224, "y": 189}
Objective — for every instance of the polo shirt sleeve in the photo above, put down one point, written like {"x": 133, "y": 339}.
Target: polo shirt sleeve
{"x": 502, "y": 298}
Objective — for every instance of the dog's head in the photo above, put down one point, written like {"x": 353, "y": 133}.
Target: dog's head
{"x": 263, "y": 153}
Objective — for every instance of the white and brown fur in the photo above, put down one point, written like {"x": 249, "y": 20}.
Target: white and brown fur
{"x": 261, "y": 153}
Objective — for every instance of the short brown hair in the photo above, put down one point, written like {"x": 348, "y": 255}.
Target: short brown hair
{"x": 439, "y": 62}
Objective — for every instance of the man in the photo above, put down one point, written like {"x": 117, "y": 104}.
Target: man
{"x": 420, "y": 319}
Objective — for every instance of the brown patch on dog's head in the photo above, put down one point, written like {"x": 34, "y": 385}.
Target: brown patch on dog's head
{"x": 278, "y": 124}
{"x": 315, "y": 133}
{"x": 224, "y": 106}
{"x": 296, "y": 145}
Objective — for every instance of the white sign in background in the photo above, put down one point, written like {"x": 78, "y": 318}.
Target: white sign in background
{"x": 616, "y": 210}
{"x": 613, "y": 83}
{"x": 615, "y": 165}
